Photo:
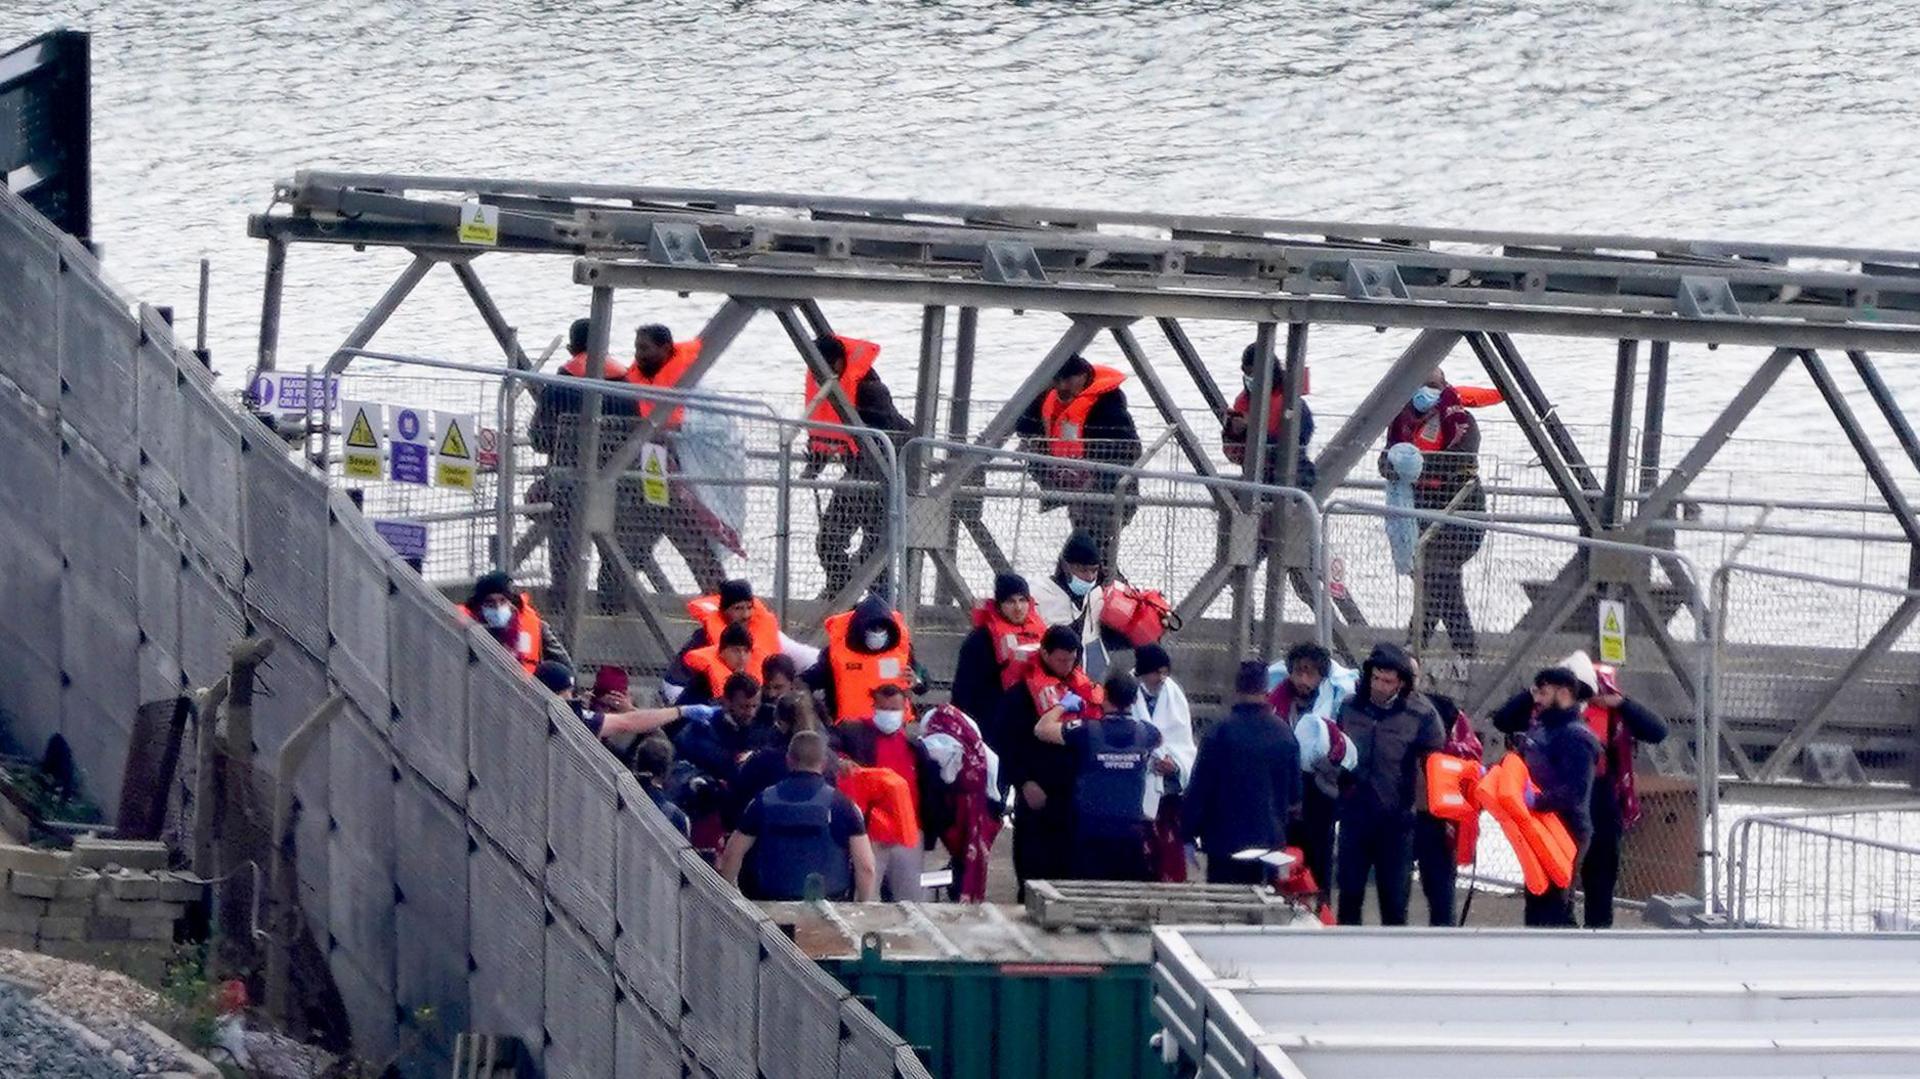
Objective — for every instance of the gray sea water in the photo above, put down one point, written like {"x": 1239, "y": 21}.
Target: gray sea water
{"x": 1755, "y": 119}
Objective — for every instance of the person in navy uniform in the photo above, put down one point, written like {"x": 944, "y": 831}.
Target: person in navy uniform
{"x": 1112, "y": 758}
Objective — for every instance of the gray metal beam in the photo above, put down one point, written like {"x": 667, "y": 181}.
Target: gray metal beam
{"x": 380, "y": 312}
{"x": 1538, "y": 433}
{"x": 1883, "y": 480}
{"x": 1877, "y": 646}
{"x": 926, "y": 420}
{"x": 1078, "y": 336}
{"x": 1662, "y": 498}
{"x": 1546, "y": 410}
{"x": 1613, "y": 502}
{"x": 270, "y": 297}
{"x": 1253, "y": 470}
{"x": 1889, "y": 405}
{"x": 1292, "y": 391}
{"x": 591, "y": 486}
{"x": 1517, "y": 655}
{"x": 503, "y": 332}
{"x": 1190, "y": 444}
{"x": 1653, "y": 425}
{"x": 715, "y": 338}
{"x": 1383, "y": 402}
{"x": 1196, "y": 367}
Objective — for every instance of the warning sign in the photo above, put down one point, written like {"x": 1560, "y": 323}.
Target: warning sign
{"x": 489, "y": 456}
{"x": 412, "y": 445}
{"x": 1613, "y": 631}
{"x": 453, "y": 461}
{"x": 653, "y": 473}
{"x": 479, "y": 224}
{"x": 361, "y": 456}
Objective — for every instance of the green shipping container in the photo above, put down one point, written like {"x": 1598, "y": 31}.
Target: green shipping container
{"x": 982, "y": 993}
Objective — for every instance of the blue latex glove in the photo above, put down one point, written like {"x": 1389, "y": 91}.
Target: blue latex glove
{"x": 1531, "y": 794}
{"x": 700, "y": 713}
{"x": 1072, "y": 703}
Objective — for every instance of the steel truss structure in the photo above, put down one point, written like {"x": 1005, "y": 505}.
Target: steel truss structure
{"x": 1111, "y": 273}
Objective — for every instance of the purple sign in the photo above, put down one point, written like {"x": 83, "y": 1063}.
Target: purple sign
{"x": 407, "y": 454}
{"x": 407, "y": 538}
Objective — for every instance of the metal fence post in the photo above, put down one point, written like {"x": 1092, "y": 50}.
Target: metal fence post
{"x": 505, "y": 481}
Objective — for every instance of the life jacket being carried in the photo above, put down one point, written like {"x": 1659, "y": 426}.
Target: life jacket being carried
{"x": 1540, "y": 839}
{"x": 796, "y": 843}
{"x": 576, "y": 367}
{"x": 1452, "y": 796}
{"x": 524, "y": 632}
{"x": 667, "y": 378}
{"x": 886, "y": 801}
{"x": 1066, "y": 422}
{"x": 1012, "y": 645}
{"x": 707, "y": 613}
{"x": 861, "y": 356}
{"x": 856, "y": 674}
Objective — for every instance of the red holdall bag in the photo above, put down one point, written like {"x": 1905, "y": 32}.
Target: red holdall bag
{"x": 1142, "y": 616}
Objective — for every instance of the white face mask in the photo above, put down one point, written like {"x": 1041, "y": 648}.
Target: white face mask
{"x": 1079, "y": 586}
{"x": 889, "y": 720}
{"x": 876, "y": 638}
{"x": 497, "y": 615}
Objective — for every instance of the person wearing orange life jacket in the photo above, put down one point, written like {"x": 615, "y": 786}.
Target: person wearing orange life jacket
{"x": 881, "y": 773}
{"x": 509, "y": 618}
{"x": 734, "y": 603}
{"x": 859, "y": 505}
{"x": 865, "y": 647}
{"x": 707, "y": 669}
{"x": 555, "y": 431}
{"x": 1234, "y": 425}
{"x": 659, "y": 363}
{"x": 1007, "y": 630}
{"x": 1448, "y": 438}
{"x": 1547, "y": 726}
{"x": 1084, "y": 417}
{"x": 1617, "y": 722}
{"x": 1041, "y": 774}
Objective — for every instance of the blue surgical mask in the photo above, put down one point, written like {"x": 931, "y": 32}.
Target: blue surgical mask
{"x": 1425, "y": 398}
{"x": 497, "y": 615}
{"x": 1079, "y": 586}
{"x": 889, "y": 720}
{"x": 875, "y": 639}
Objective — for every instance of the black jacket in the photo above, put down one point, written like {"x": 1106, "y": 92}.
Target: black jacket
{"x": 1245, "y": 783}
{"x": 870, "y": 613}
{"x": 1561, "y": 755}
{"x": 976, "y": 685}
{"x": 1109, "y": 432}
{"x": 873, "y": 402}
{"x": 1393, "y": 741}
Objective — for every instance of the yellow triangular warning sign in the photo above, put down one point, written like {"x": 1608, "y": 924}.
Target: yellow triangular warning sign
{"x": 360, "y": 435}
{"x": 453, "y": 443}
{"x": 1613, "y": 622}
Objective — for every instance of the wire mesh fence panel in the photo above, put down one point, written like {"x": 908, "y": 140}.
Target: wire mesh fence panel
{"x": 580, "y": 823}
{"x": 796, "y": 999}
{"x": 644, "y": 1046}
{"x": 647, "y": 899}
{"x": 579, "y": 1005}
{"x": 430, "y": 957}
{"x": 719, "y": 973}
{"x": 1845, "y": 870}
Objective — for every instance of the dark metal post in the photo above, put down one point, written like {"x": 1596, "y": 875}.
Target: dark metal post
{"x": 1654, "y": 420}
{"x": 1253, "y": 468}
{"x": 592, "y": 485}
{"x": 959, "y": 415}
{"x": 926, "y": 422}
{"x": 270, "y": 304}
{"x": 1291, "y": 388}
{"x": 200, "y": 319}
{"x": 1626, "y": 366}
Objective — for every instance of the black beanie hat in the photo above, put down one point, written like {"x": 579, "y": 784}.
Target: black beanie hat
{"x": 1080, "y": 550}
{"x": 489, "y": 583}
{"x": 1075, "y": 364}
{"x": 735, "y": 591}
{"x": 1008, "y": 585}
{"x": 554, "y": 675}
{"x": 1149, "y": 658}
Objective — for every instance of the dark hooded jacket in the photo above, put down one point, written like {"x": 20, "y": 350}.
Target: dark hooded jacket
{"x": 1562, "y": 753}
{"x": 872, "y": 612}
{"x": 550, "y": 643}
{"x": 1393, "y": 741}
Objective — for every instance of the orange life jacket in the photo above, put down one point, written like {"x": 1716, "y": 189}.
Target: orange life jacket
{"x": 1066, "y": 422}
{"x": 856, "y": 674}
{"x": 1452, "y": 796}
{"x": 1012, "y": 645}
{"x": 1478, "y": 396}
{"x": 861, "y": 356}
{"x": 1600, "y": 721}
{"x": 526, "y": 632}
{"x": 707, "y": 613}
{"x": 1540, "y": 839}
{"x": 885, "y": 800}
{"x": 1047, "y": 690}
{"x": 614, "y": 371}
{"x": 706, "y": 661}
{"x": 667, "y": 378}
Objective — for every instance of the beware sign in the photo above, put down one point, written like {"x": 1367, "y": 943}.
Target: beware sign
{"x": 361, "y": 456}
{"x": 653, "y": 475}
{"x": 1613, "y": 631}
{"x": 407, "y": 457}
{"x": 454, "y": 458}
{"x": 479, "y": 224}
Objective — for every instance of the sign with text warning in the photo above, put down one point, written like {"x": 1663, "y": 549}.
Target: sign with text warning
{"x": 360, "y": 454}
{"x": 453, "y": 459}
{"x": 412, "y": 444}
{"x": 1613, "y": 631}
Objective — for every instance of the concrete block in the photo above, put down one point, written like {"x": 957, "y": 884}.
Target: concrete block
{"x": 63, "y": 928}
{"x": 131, "y": 884}
{"x": 34, "y": 885}
{"x": 20, "y": 922}
{"x": 83, "y": 884}
{"x": 24, "y": 942}
{"x": 109, "y": 927}
{"x": 22, "y": 904}
{"x": 126, "y": 853}
{"x": 150, "y": 929}
{"x": 151, "y": 909}
{"x": 44, "y": 863}
{"x": 70, "y": 908}
{"x": 178, "y": 887}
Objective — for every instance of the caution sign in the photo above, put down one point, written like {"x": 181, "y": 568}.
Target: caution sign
{"x": 411, "y": 445}
{"x": 479, "y": 224}
{"x": 361, "y": 456}
{"x": 653, "y": 475}
{"x": 1613, "y": 631}
{"x": 453, "y": 460}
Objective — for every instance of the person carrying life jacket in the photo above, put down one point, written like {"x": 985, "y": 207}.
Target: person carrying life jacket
{"x": 555, "y": 432}
{"x": 805, "y": 836}
{"x": 1548, "y": 727}
{"x": 887, "y": 801}
{"x": 1618, "y": 723}
{"x": 1235, "y": 432}
{"x": 858, "y": 505}
{"x": 1084, "y": 417}
{"x": 1006, "y": 632}
{"x": 1040, "y": 773}
{"x": 1393, "y": 729}
{"x": 1441, "y": 844}
{"x": 659, "y": 362}
{"x": 1448, "y": 438}
{"x": 865, "y": 647}
{"x": 1112, "y": 760}
{"x": 707, "y": 669}
{"x": 510, "y": 618}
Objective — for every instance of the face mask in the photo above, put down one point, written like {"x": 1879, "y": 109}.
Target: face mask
{"x": 875, "y": 639}
{"x": 889, "y": 720}
{"x": 1249, "y": 382}
{"x": 497, "y": 615}
{"x": 1079, "y": 586}
{"x": 1425, "y": 398}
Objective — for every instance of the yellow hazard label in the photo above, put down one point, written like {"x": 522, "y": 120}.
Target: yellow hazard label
{"x": 363, "y": 466}
{"x": 453, "y": 443}
{"x": 452, "y": 475}
{"x": 653, "y": 472}
{"x": 360, "y": 435}
{"x": 1613, "y": 631}
{"x": 479, "y": 224}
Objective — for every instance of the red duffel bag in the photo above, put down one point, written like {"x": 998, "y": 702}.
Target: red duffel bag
{"x": 1140, "y": 615}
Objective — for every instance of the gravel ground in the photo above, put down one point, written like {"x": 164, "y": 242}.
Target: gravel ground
{"x": 36, "y": 1045}
{"x": 102, "y": 1003}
